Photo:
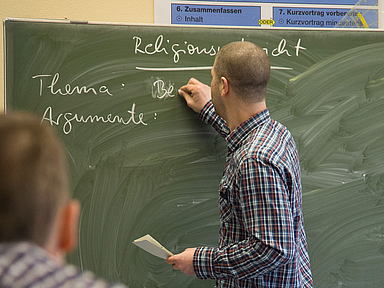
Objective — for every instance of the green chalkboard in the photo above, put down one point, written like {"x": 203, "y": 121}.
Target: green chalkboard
{"x": 142, "y": 162}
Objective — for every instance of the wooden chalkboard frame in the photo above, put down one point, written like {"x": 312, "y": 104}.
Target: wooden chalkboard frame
{"x": 154, "y": 167}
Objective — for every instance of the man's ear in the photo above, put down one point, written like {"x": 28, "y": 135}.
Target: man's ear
{"x": 224, "y": 86}
{"x": 69, "y": 225}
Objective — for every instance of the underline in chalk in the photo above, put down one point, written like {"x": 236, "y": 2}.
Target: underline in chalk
{"x": 195, "y": 68}
{"x": 174, "y": 69}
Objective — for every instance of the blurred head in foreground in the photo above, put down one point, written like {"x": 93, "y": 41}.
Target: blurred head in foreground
{"x": 35, "y": 204}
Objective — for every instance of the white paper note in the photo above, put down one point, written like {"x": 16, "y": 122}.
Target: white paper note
{"x": 149, "y": 244}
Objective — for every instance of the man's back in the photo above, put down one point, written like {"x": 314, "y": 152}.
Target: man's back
{"x": 268, "y": 207}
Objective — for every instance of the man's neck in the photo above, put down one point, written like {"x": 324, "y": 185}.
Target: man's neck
{"x": 240, "y": 112}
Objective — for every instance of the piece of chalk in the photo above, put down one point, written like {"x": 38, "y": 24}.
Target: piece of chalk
{"x": 78, "y": 22}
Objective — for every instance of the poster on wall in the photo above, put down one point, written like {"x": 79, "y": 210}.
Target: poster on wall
{"x": 364, "y": 14}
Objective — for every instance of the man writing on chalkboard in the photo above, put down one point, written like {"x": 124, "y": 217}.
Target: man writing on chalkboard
{"x": 38, "y": 221}
{"x": 262, "y": 238}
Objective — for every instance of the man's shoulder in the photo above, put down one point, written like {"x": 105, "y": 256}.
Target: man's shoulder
{"x": 269, "y": 142}
{"x": 27, "y": 265}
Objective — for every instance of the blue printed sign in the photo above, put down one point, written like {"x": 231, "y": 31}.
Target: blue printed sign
{"x": 324, "y": 18}
{"x": 215, "y": 15}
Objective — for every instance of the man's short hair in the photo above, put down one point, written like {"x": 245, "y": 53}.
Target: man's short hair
{"x": 33, "y": 179}
{"x": 246, "y": 67}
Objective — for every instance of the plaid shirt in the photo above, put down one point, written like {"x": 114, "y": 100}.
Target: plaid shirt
{"x": 26, "y": 265}
{"x": 262, "y": 238}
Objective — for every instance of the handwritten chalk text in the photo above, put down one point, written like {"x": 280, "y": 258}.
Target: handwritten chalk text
{"x": 159, "y": 47}
{"x": 162, "y": 46}
{"x": 68, "y": 89}
{"x": 67, "y": 119}
{"x": 281, "y": 48}
{"x": 161, "y": 90}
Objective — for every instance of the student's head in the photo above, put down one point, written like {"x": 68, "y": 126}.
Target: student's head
{"x": 247, "y": 69}
{"x": 34, "y": 189}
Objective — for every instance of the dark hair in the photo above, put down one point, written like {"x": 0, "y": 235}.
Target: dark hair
{"x": 33, "y": 179}
{"x": 246, "y": 67}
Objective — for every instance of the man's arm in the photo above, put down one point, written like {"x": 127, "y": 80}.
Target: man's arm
{"x": 198, "y": 97}
{"x": 265, "y": 213}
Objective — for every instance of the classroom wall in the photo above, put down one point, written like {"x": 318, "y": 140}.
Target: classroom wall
{"x": 122, "y": 11}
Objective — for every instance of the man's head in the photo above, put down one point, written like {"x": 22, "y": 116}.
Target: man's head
{"x": 34, "y": 188}
{"x": 246, "y": 68}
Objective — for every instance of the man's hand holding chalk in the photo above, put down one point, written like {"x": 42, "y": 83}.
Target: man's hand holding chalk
{"x": 196, "y": 94}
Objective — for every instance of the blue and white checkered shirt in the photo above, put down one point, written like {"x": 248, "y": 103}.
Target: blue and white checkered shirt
{"x": 262, "y": 238}
{"x": 25, "y": 265}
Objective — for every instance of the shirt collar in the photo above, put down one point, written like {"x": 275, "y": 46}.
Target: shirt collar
{"x": 235, "y": 138}
{"x": 33, "y": 250}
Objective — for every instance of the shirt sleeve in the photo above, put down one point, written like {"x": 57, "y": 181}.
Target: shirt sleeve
{"x": 266, "y": 216}
{"x": 209, "y": 116}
